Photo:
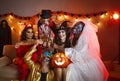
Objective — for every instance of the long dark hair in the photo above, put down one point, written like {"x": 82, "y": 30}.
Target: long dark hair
{"x": 77, "y": 35}
{"x": 67, "y": 30}
{"x": 23, "y": 34}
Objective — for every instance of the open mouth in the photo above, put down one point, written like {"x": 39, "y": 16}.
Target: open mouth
{"x": 59, "y": 63}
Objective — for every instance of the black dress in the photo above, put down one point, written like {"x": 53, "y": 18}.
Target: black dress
{"x": 5, "y": 38}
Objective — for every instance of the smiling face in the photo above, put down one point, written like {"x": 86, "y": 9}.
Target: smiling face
{"x": 62, "y": 35}
{"x": 29, "y": 34}
{"x": 60, "y": 60}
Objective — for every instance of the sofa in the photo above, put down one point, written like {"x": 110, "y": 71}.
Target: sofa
{"x": 8, "y": 70}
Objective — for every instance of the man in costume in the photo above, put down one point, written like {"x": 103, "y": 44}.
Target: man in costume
{"x": 46, "y": 27}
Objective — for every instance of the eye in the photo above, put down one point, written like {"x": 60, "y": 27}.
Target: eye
{"x": 74, "y": 30}
{"x": 79, "y": 27}
{"x": 29, "y": 31}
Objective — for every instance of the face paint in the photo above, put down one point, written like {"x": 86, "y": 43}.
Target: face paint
{"x": 46, "y": 59}
{"x": 46, "y": 56}
{"x": 77, "y": 29}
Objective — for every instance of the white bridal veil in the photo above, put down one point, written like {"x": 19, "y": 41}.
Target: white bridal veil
{"x": 85, "y": 56}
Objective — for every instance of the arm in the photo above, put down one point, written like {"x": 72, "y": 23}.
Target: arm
{"x": 59, "y": 48}
{"x": 18, "y": 59}
{"x": 17, "y": 47}
{"x": 79, "y": 51}
{"x": 28, "y": 56}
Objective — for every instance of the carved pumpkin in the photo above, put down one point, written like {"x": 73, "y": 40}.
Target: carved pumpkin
{"x": 60, "y": 60}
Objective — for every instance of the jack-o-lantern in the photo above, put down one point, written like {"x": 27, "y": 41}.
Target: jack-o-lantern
{"x": 60, "y": 60}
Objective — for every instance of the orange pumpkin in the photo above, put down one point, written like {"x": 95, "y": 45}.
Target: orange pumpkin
{"x": 59, "y": 60}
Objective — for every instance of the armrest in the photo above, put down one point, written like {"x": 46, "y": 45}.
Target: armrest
{"x": 4, "y": 61}
{"x": 10, "y": 51}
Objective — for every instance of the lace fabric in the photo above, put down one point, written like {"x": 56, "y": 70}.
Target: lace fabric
{"x": 85, "y": 56}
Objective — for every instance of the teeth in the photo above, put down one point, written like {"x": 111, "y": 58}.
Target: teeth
{"x": 59, "y": 63}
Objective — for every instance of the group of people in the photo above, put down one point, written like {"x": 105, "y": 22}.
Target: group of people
{"x": 79, "y": 43}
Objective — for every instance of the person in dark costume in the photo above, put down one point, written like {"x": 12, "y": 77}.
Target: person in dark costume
{"x": 5, "y": 35}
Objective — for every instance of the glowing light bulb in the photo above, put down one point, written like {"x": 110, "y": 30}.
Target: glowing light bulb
{"x": 116, "y": 16}
{"x": 98, "y": 24}
{"x": 102, "y": 16}
{"x": 89, "y": 19}
{"x": 66, "y": 16}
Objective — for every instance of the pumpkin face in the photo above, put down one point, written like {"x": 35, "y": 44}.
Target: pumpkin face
{"x": 60, "y": 60}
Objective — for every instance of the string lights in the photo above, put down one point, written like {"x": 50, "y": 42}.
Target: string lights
{"x": 17, "y": 23}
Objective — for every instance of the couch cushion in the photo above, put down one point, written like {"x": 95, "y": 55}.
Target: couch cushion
{"x": 10, "y": 51}
{"x": 4, "y": 61}
{"x": 9, "y": 71}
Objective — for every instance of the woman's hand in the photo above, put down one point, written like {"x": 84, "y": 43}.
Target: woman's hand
{"x": 17, "y": 60}
{"x": 39, "y": 41}
{"x": 17, "y": 45}
{"x": 59, "y": 48}
{"x": 55, "y": 46}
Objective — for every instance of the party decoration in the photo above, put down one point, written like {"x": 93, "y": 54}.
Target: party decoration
{"x": 16, "y": 22}
{"x": 60, "y": 60}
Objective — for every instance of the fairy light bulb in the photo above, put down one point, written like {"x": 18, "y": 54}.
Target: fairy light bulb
{"x": 89, "y": 19}
{"x": 66, "y": 16}
{"x": 98, "y": 24}
{"x": 60, "y": 17}
{"x": 116, "y": 16}
{"x": 102, "y": 16}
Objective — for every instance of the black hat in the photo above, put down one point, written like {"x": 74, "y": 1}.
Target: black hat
{"x": 64, "y": 28}
{"x": 46, "y": 14}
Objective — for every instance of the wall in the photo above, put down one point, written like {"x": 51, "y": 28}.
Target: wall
{"x": 31, "y": 7}
{"x": 108, "y": 35}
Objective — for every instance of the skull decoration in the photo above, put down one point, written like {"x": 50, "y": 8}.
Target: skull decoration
{"x": 60, "y": 60}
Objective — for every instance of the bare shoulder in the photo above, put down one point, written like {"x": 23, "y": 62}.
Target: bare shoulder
{"x": 18, "y": 44}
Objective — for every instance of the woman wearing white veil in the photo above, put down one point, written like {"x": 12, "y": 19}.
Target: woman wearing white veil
{"x": 86, "y": 63}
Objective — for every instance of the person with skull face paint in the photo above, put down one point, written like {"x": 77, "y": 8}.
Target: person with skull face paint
{"x": 86, "y": 63}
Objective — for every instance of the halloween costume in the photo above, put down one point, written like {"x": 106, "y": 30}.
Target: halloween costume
{"x": 22, "y": 67}
{"x": 86, "y": 62}
{"x": 5, "y": 35}
{"x": 59, "y": 60}
{"x": 35, "y": 69}
{"x": 58, "y": 41}
{"x": 48, "y": 29}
